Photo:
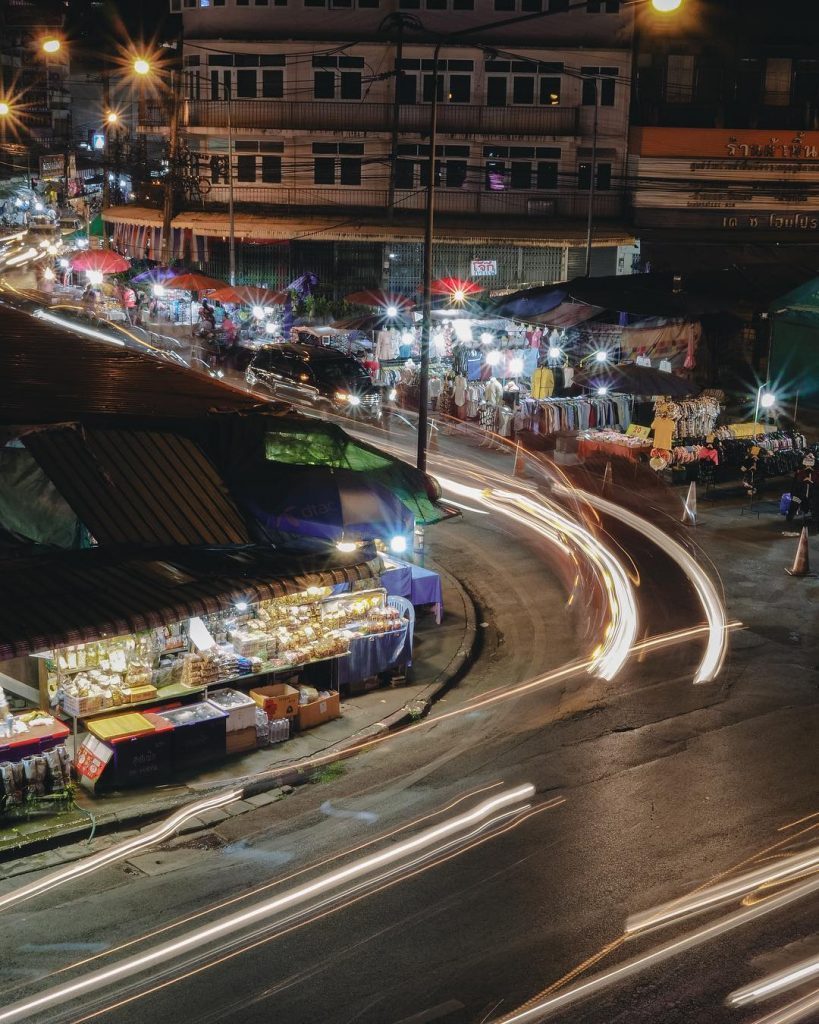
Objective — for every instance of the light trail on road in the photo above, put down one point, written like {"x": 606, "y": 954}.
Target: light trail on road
{"x": 430, "y": 839}
{"x": 773, "y": 984}
{"x": 166, "y": 828}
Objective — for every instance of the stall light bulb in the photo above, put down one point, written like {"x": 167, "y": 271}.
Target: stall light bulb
{"x": 241, "y": 606}
{"x": 767, "y": 400}
{"x": 493, "y": 357}
{"x": 515, "y": 367}
{"x": 38, "y": 207}
{"x": 159, "y": 290}
{"x": 554, "y": 352}
{"x": 270, "y": 327}
{"x": 95, "y": 277}
{"x": 398, "y": 545}
{"x": 392, "y": 310}
{"x": 459, "y": 295}
{"x": 601, "y": 356}
{"x": 486, "y": 338}
{"x": 346, "y": 546}
{"x": 48, "y": 274}
{"x": 392, "y": 394}
{"x": 258, "y": 312}
{"x": 602, "y": 391}
{"x": 64, "y": 264}
{"x": 354, "y": 400}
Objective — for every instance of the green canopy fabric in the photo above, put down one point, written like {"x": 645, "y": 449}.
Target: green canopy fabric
{"x": 794, "y": 362}
{"x": 307, "y": 443}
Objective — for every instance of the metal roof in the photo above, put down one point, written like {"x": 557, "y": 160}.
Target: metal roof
{"x": 75, "y": 597}
{"x": 51, "y": 375}
{"x": 139, "y": 486}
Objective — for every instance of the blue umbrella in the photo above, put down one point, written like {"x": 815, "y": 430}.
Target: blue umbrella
{"x": 156, "y": 275}
{"x": 321, "y": 502}
{"x": 529, "y": 303}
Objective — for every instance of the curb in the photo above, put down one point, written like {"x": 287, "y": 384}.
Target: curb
{"x": 254, "y": 790}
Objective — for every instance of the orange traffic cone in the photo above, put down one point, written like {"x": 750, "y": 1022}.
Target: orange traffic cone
{"x": 689, "y": 516}
{"x": 606, "y": 478}
{"x": 801, "y": 564}
{"x": 520, "y": 463}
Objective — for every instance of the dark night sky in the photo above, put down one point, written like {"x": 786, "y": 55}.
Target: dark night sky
{"x": 100, "y": 27}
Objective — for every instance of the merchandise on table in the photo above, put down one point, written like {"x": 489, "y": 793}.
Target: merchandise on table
{"x": 192, "y": 656}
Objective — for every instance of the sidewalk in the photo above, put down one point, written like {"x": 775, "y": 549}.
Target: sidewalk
{"x": 441, "y": 655}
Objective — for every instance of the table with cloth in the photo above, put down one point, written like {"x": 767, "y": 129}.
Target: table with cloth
{"x": 371, "y": 655}
{"x": 587, "y": 447}
{"x": 421, "y": 586}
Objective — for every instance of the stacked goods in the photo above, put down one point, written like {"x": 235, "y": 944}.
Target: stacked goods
{"x": 241, "y": 722}
{"x": 34, "y": 776}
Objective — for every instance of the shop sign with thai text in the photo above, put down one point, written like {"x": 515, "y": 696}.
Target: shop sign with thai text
{"x": 483, "y": 268}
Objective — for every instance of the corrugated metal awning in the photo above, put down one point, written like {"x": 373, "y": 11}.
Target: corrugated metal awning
{"x": 139, "y": 487}
{"x": 78, "y": 597}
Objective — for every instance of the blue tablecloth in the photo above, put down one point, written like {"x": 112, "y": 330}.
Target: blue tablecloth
{"x": 370, "y": 655}
{"x": 398, "y": 580}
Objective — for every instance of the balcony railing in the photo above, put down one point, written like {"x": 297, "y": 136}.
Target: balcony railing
{"x": 530, "y": 204}
{"x": 453, "y": 118}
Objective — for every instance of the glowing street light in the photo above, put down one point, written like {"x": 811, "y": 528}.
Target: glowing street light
{"x": 112, "y": 117}
{"x": 142, "y": 66}
{"x": 51, "y": 45}
{"x": 5, "y": 108}
{"x": 601, "y": 356}
{"x": 666, "y": 6}
{"x": 767, "y": 400}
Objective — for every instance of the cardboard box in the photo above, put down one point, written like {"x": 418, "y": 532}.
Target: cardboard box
{"x": 278, "y": 700}
{"x": 237, "y": 741}
{"x": 323, "y": 710}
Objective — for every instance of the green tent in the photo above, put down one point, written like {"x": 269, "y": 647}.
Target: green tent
{"x": 794, "y": 360}
{"x": 318, "y": 443}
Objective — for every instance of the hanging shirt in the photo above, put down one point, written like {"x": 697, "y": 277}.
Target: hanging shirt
{"x": 663, "y": 428}
{"x": 543, "y": 383}
{"x": 460, "y": 390}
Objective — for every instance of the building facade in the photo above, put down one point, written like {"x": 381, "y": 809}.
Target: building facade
{"x": 724, "y": 148}
{"x": 317, "y": 114}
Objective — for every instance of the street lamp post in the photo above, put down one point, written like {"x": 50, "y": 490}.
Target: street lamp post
{"x": 662, "y": 6}
{"x": 766, "y": 400}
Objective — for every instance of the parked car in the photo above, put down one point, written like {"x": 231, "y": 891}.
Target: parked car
{"x": 320, "y": 375}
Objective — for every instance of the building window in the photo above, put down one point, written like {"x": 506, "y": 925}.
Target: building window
{"x": 246, "y": 84}
{"x": 679, "y": 81}
{"x": 246, "y": 168}
{"x": 558, "y": 6}
{"x": 526, "y": 82}
{"x": 412, "y": 166}
{"x": 529, "y": 167}
{"x": 436, "y": 5}
{"x": 272, "y": 170}
{"x": 598, "y": 82}
{"x": 602, "y": 6}
{"x": 337, "y": 162}
{"x": 337, "y": 79}
{"x": 603, "y": 177}
{"x": 272, "y": 84}
{"x": 525, "y": 6}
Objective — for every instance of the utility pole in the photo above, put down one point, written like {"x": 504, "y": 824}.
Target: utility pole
{"x": 396, "y": 114}
{"x": 173, "y": 160}
{"x": 106, "y": 169}
{"x": 590, "y": 212}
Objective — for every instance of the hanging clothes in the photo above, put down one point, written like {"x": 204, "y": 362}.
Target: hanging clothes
{"x": 543, "y": 382}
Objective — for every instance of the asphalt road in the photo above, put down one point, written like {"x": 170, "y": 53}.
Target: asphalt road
{"x": 666, "y": 786}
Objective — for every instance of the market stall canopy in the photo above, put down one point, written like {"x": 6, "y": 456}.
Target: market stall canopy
{"x": 47, "y": 376}
{"x": 455, "y": 287}
{"x": 794, "y": 353}
{"x": 248, "y": 295}
{"x": 380, "y": 300}
{"x": 154, "y": 275}
{"x": 51, "y": 600}
{"x": 191, "y": 281}
{"x": 319, "y": 443}
{"x": 138, "y": 487}
{"x": 102, "y": 260}
{"x": 369, "y": 322}
{"x": 322, "y": 502}
{"x": 635, "y": 380}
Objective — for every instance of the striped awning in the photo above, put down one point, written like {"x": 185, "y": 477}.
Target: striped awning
{"x": 139, "y": 486}
{"x": 77, "y": 597}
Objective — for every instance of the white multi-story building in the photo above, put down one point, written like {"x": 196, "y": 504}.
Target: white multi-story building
{"x": 325, "y": 105}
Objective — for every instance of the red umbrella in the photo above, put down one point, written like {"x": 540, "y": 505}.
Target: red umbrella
{"x": 248, "y": 295}
{"x": 194, "y": 282}
{"x": 455, "y": 287}
{"x": 102, "y": 260}
{"x": 380, "y": 300}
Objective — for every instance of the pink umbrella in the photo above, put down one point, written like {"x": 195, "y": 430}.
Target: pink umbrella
{"x": 101, "y": 260}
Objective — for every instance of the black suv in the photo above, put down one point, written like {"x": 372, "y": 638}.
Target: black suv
{"x": 320, "y": 375}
